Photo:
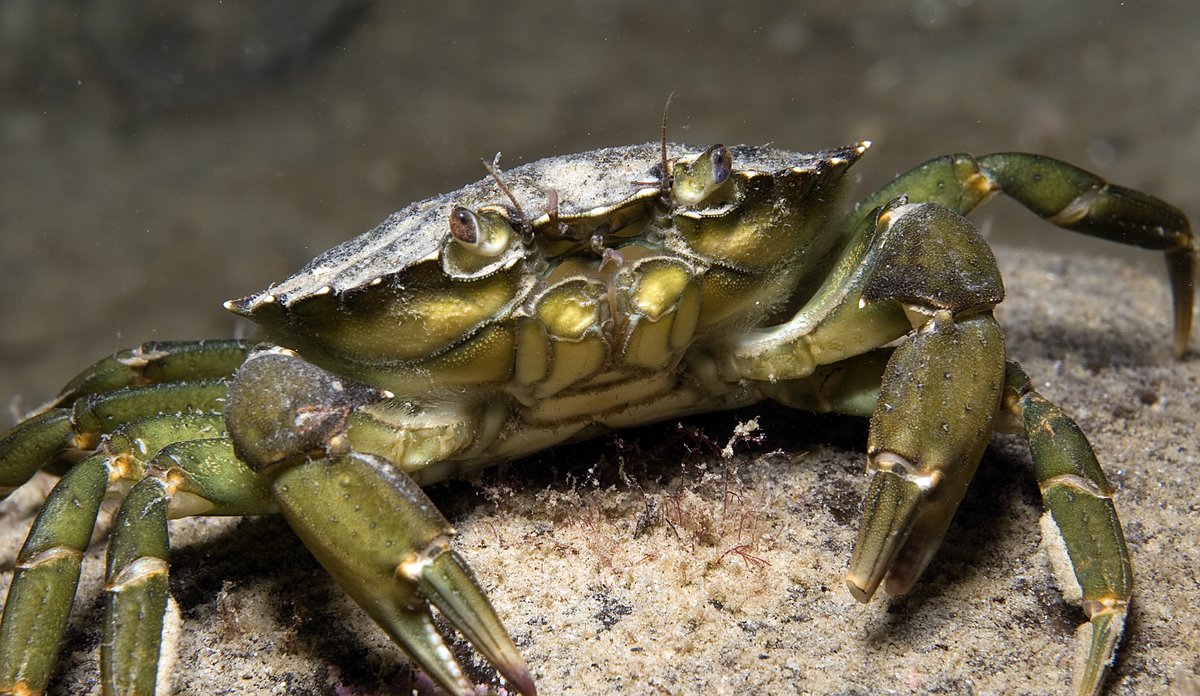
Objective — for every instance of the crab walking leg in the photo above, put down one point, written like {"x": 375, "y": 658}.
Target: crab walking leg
{"x": 156, "y": 362}
{"x": 939, "y": 396}
{"x": 184, "y": 478}
{"x": 78, "y": 428}
{"x": 1075, "y": 199}
{"x": 46, "y": 576}
{"x": 31, "y": 445}
{"x": 43, "y": 587}
{"x": 1066, "y": 196}
{"x": 205, "y": 477}
{"x": 378, "y": 534}
{"x": 135, "y": 601}
{"x": 1080, "y": 513}
{"x": 187, "y": 376}
{"x": 109, "y": 385}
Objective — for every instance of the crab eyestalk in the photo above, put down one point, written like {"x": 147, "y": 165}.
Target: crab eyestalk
{"x": 486, "y": 233}
{"x": 694, "y": 181}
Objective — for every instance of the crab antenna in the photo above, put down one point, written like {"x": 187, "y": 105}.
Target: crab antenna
{"x": 663, "y": 140}
{"x": 494, "y": 170}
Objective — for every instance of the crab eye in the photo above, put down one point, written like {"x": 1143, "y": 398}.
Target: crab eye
{"x": 485, "y": 234}
{"x": 696, "y": 180}
{"x": 464, "y": 226}
{"x": 721, "y": 161}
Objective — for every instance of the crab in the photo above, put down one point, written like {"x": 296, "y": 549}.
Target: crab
{"x": 550, "y": 303}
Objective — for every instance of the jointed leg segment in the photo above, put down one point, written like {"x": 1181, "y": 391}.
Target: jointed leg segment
{"x": 946, "y": 382}
{"x": 1066, "y": 196}
{"x": 908, "y": 448}
{"x": 933, "y": 419}
{"x": 367, "y": 522}
{"x": 1081, "y": 516}
{"x": 167, "y": 445}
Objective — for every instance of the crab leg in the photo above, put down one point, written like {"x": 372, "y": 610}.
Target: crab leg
{"x": 927, "y": 267}
{"x": 64, "y": 431}
{"x": 156, "y": 362}
{"x": 378, "y": 534}
{"x": 836, "y": 324}
{"x": 1078, "y": 498}
{"x": 1079, "y": 200}
{"x": 924, "y": 266}
{"x": 43, "y": 587}
{"x": 184, "y": 478}
{"x": 63, "y": 424}
{"x": 940, "y": 393}
{"x": 1081, "y": 515}
{"x": 1065, "y": 195}
{"x": 46, "y": 576}
{"x": 136, "y": 590}
{"x": 31, "y": 445}
{"x": 366, "y": 520}
{"x": 849, "y": 387}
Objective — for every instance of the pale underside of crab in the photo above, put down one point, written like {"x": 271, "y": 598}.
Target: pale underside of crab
{"x": 550, "y": 303}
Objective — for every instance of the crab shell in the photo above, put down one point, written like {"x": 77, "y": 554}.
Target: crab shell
{"x": 389, "y": 306}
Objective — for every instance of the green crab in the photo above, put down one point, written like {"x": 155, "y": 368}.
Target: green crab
{"x": 562, "y": 299}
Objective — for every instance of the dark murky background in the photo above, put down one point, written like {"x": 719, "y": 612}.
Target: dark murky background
{"x": 158, "y": 159}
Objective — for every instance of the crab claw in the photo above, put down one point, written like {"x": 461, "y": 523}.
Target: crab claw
{"x": 931, "y": 424}
{"x": 889, "y": 515}
{"x": 383, "y": 540}
{"x": 450, "y": 585}
{"x": 365, "y": 520}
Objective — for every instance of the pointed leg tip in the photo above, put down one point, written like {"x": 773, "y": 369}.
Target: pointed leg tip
{"x": 862, "y": 591}
{"x": 1181, "y": 269}
{"x": 452, "y": 588}
{"x": 522, "y": 681}
{"x": 515, "y": 672}
{"x": 1181, "y": 345}
{"x": 1106, "y": 629}
{"x": 1183, "y": 330}
{"x": 503, "y": 655}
